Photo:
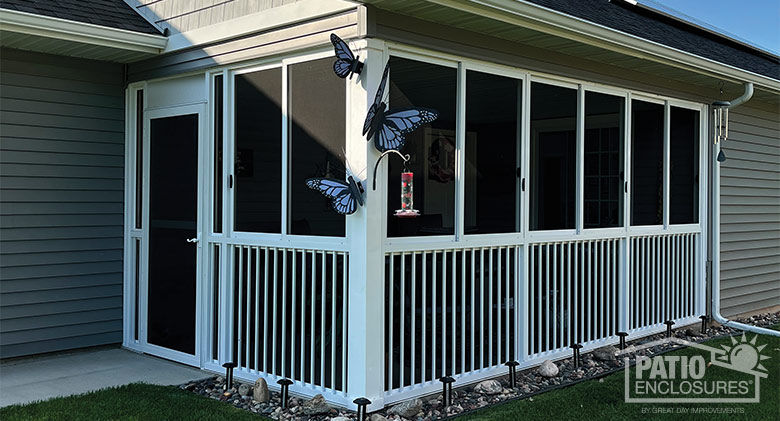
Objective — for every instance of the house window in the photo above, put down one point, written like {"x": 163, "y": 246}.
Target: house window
{"x": 492, "y": 154}
{"x": 258, "y": 151}
{"x": 603, "y": 195}
{"x": 553, "y": 157}
{"x": 317, "y": 110}
{"x": 647, "y": 163}
{"x": 431, "y": 148}
{"x": 683, "y": 166}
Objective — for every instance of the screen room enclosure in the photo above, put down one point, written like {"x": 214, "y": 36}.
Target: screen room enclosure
{"x": 552, "y": 212}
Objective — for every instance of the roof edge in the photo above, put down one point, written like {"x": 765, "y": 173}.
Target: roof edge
{"x": 711, "y": 30}
{"x": 520, "y": 12}
{"x": 87, "y": 33}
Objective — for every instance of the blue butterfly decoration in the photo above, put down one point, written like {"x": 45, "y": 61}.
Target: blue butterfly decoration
{"x": 389, "y": 128}
{"x": 345, "y": 196}
{"x": 346, "y": 64}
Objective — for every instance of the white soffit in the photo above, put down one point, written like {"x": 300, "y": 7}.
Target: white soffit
{"x": 46, "y": 34}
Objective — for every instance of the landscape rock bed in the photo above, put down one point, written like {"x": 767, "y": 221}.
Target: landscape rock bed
{"x": 595, "y": 364}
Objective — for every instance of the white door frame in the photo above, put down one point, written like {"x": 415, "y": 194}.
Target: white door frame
{"x": 142, "y": 344}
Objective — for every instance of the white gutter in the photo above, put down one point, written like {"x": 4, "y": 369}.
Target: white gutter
{"x": 716, "y": 238}
{"x": 87, "y": 33}
{"x": 532, "y": 16}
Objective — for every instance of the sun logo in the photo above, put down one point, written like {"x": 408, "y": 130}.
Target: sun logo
{"x": 743, "y": 355}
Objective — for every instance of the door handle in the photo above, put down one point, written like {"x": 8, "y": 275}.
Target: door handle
{"x": 192, "y": 240}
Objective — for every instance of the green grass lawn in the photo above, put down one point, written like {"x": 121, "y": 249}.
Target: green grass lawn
{"x": 586, "y": 401}
{"x": 131, "y": 402}
{"x": 595, "y": 400}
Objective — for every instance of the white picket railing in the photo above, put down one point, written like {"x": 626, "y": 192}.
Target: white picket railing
{"x": 457, "y": 311}
{"x": 573, "y": 292}
{"x": 289, "y": 316}
{"x": 464, "y": 312}
{"x": 663, "y": 273}
{"x": 448, "y": 313}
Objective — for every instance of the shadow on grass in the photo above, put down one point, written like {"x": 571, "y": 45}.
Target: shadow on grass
{"x": 132, "y": 402}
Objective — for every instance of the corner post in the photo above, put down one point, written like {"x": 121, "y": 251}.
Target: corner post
{"x": 365, "y": 336}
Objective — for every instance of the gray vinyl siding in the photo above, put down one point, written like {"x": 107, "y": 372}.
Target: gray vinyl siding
{"x": 750, "y": 212}
{"x": 186, "y": 15}
{"x": 61, "y": 203}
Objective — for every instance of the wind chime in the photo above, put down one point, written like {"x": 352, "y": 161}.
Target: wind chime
{"x": 720, "y": 110}
{"x": 407, "y": 186}
{"x": 720, "y": 114}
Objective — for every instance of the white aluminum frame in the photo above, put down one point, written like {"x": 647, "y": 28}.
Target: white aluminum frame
{"x": 132, "y": 234}
{"x": 525, "y": 236}
{"x": 365, "y": 237}
{"x": 463, "y": 64}
{"x": 231, "y": 238}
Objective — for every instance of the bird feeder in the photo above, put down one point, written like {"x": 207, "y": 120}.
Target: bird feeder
{"x": 407, "y": 187}
{"x": 407, "y": 197}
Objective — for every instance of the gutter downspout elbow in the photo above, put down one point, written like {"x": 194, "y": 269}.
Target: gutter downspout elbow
{"x": 716, "y": 239}
{"x": 745, "y": 96}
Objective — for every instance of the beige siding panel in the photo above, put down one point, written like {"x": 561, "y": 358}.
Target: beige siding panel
{"x": 762, "y": 304}
{"x": 186, "y": 15}
{"x": 749, "y": 182}
{"x": 277, "y": 41}
{"x": 744, "y": 236}
{"x": 736, "y": 276}
{"x": 741, "y": 246}
{"x": 753, "y": 302}
{"x": 753, "y": 215}
{"x": 752, "y": 259}
{"x": 749, "y": 289}
{"x": 750, "y": 212}
{"x": 748, "y": 173}
{"x": 755, "y": 279}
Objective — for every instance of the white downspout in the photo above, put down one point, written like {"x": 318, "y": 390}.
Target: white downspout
{"x": 745, "y": 97}
{"x": 716, "y": 238}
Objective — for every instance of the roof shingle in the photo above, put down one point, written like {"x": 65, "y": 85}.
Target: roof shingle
{"x": 111, "y": 13}
{"x": 664, "y": 30}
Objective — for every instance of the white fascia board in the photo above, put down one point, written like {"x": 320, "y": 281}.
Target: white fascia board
{"x": 532, "y": 16}
{"x": 87, "y": 33}
{"x": 288, "y": 14}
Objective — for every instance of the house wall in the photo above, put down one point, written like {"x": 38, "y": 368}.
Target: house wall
{"x": 61, "y": 155}
{"x": 186, "y": 15}
{"x": 750, "y": 212}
